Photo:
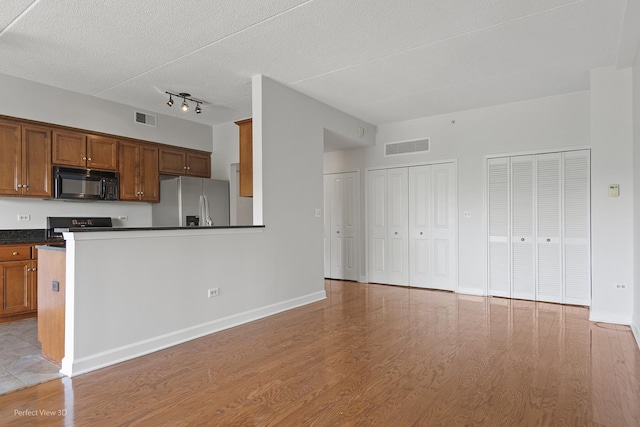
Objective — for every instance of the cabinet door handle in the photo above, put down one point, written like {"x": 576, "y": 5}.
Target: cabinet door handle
{"x": 188, "y": 167}
{"x": 29, "y": 270}
{"x": 19, "y": 185}
{"x": 84, "y": 158}
{"x": 89, "y": 158}
{"x": 184, "y": 167}
{"x": 34, "y": 269}
{"x": 15, "y": 253}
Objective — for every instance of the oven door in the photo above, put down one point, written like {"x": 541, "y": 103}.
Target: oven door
{"x": 69, "y": 185}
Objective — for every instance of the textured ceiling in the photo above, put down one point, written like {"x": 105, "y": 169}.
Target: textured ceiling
{"x": 381, "y": 61}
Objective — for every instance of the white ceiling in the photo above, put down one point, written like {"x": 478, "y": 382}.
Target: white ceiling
{"x": 381, "y": 61}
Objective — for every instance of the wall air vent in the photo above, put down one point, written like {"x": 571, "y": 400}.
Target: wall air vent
{"x": 144, "y": 119}
{"x": 406, "y": 147}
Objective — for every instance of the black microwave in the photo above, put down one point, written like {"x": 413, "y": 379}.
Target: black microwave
{"x": 84, "y": 184}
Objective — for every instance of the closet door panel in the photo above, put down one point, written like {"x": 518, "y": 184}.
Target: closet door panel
{"x": 577, "y": 220}
{"x": 377, "y": 217}
{"x": 523, "y": 281}
{"x": 327, "y": 225}
{"x": 443, "y": 227}
{"x": 549, "y": 209}
{"x": 398, "y": 214}
{"x": 351, "y": 213}
{"x": 498, "y": 225}
{"x": 419, "y": 225}
{"x": 337, "y": 229}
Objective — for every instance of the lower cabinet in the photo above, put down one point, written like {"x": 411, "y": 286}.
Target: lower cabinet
{"x": 18, "y": 290}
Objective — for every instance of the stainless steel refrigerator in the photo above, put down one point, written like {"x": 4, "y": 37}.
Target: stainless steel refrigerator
{"x": 187, "y": 201}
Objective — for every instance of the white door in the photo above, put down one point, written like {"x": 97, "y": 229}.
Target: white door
{"x": 523, "y": 245}
{"x": 397, "y": 227}
{"x": 342, "y": 211}
{"x": 577, "y": 220}
{"x": 377, "y": 219}
{"x": 432, "y": 226}
{"x": 498, "y": 226}
{"x": 549, "y": 208}
{"x": 350, "y": 225}
{"x": 388, "y": 226}
{"x": 327, "y": 225}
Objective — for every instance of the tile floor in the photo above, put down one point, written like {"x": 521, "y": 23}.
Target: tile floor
{"x": 20, "y": 362}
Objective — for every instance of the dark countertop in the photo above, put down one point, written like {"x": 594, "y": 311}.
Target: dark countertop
{"x": 25, "y": 236}
{"x": 107, "y": 229}
{"x": 39, "y": 235}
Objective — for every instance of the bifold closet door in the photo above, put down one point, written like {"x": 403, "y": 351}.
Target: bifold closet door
{"x": 499, "y": 266}
{"x": 388, "y": 226}
{"x": 432, "y": 226}
{"x": 341, "y": 226}
{"x": 577, "y": 234}
{"x": 539, "y": 227}
{"x": 549, "y": 212}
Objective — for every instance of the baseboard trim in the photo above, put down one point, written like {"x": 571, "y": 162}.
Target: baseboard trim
{"x": 614, "y": 318}
{"x": 471, "y": 291}
{"x": 103, "y": 359}
{"x": 635, "y": 329}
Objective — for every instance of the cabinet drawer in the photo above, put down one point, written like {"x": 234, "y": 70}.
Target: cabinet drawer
{"x": 15, "y": 252}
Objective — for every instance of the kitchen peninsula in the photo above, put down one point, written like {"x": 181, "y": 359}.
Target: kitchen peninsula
{"x": 132, "y": 291}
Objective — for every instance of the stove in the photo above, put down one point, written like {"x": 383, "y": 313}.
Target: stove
{"x": 56, "y": 225}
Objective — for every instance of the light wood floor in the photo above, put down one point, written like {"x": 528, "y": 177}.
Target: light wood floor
{"x": 368, "y": 355}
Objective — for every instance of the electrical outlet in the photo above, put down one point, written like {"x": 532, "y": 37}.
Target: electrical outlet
{"x": 123, "y": 218}
{"x": 466, "y": 214}
{"x": 213, "y": 292}
{"x": 620, "y": 286}
{"x": 24, "y": 217}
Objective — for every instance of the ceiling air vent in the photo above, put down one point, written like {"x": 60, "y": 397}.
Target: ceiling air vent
{"x": 406, "y": 147}
{"x": 144, "y": 119}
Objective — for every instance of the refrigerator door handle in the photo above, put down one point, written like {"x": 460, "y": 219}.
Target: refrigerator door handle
{"x": 206, "y": 216}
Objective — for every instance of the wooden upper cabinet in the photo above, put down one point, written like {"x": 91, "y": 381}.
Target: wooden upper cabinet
{"x": 10, "y": 159}
{"x": 102, "y": 153}
{"x": 246, "y": 157}
{"x": 138, "y": 168}
{"x": 176, "y": 161}
{"x": 36, "y": 161}
{"x": 84, "y": 151}
{"x": 25, "y": 160}
{"x": 199, "y": 164}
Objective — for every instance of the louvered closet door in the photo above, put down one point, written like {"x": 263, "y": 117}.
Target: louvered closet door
{"x": 523, "y": 245}
{"x": 577, "y": 250}
{"x": 549, "y": 209}
{"x": 398, "y": 228}
{"x": 432, "y": 225}
{"x": 498, "y": 224}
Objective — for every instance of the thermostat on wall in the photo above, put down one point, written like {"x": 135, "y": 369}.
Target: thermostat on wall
{"x": 614, "y": 190}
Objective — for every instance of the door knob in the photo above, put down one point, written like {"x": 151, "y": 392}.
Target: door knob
{"x": 396, "y": 233}
{"x": 337, "y": 232}
{"x": 522, "y": 239}
{"x": 548, "y": 240}
{"x": 421, "y": 233}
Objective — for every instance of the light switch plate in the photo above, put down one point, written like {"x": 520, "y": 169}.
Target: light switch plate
{"x": 614, "y": 190}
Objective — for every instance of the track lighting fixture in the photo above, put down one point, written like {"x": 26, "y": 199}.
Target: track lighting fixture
{"x": 185, "y": 97}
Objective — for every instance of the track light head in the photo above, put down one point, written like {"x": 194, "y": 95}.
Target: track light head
{"x": 185, "y": 97}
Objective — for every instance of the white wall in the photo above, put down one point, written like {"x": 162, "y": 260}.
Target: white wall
{"x": 34, "y": 101}
{"x": 226, "y": 140}
{"x": 635, "y": 321}
{"x": 469, "y": 136}
{"x": 611, "y": 217}
{"x": 164, "y": 292}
